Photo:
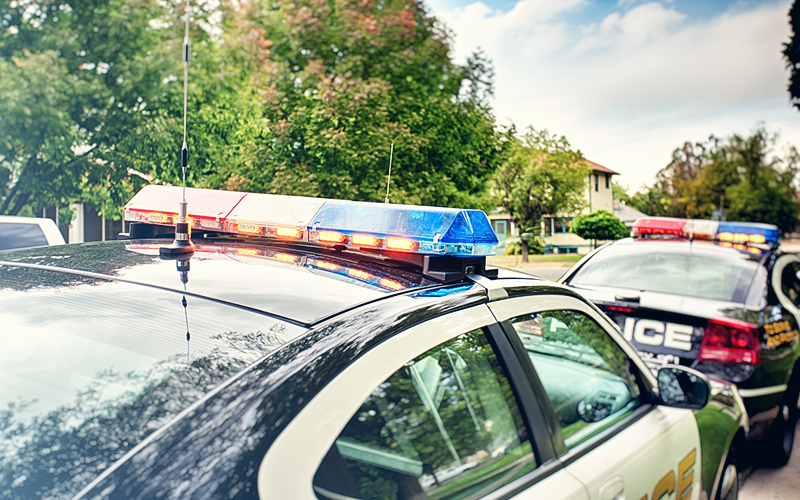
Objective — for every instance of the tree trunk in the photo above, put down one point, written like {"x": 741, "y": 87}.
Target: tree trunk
{"x": 524, "y": 249}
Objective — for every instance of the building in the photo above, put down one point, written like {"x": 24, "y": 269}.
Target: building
{"x": 555, "y": 230}
{"x": 86, "y": 225}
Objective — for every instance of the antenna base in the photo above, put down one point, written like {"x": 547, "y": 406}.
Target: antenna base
{"x": 182, "y": 245}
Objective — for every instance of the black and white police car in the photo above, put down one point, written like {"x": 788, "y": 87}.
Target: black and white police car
{"x": 326, "y": 349}
{"x": 719, "y": 297}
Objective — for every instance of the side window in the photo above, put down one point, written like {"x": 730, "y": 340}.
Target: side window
{"x": 790, "y": 282}
{"x": 444, "y": 426}
{"x": 586, "y": 375}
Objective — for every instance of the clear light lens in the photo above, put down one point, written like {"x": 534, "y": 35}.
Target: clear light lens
{"x": 248, "y": 228}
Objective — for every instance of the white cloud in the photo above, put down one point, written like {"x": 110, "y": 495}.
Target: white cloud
{"x": 629, "y": 88}
{"x": 644, "y": 23}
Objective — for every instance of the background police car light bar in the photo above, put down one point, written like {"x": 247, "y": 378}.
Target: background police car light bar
{"x": 733, "y": 232}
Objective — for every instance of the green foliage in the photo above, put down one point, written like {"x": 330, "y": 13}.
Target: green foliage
{"x": 541, "y": 176}
{"x": 791, "y": 52}
{"x": 741, "y": 175}
{"x": 599, "y": 225}
{"x": 339, "y": 81}
{"x": 535, "y": 247}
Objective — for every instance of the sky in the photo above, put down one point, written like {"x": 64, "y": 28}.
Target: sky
{"x": 628, "y": 81}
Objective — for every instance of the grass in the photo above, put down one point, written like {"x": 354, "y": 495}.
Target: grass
{"x": 549, "y": 260}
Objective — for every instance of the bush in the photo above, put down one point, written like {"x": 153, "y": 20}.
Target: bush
{"x": 535, "y": 247}
{"x": 600, "y": 225}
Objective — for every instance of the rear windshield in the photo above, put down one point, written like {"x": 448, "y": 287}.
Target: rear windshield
{"x": 88, "y": 369}
{"x": 17, "y": 235}
{"x": 696, "y": 270}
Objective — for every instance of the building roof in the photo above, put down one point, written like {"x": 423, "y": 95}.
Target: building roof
{"x": 627, "y": 215}
{"x": 596, "y": 167}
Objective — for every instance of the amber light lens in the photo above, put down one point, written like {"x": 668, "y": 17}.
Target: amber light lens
{"x": 285, "y": 257}
{"x": 247, "y": 251}
{"x": 358, "y": 273}
{"x": 366, "y": 241}
{"x": 399, "y": 244}
{"x": 331, "y": 237}
{"x": 391, "y": 284}
{"x": 328, "y": 266}
{"x": 286, "y": 232}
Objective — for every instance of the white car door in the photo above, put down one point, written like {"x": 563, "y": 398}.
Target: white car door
{"x": 610, "y": 436}
{"x": 429, "y": 413}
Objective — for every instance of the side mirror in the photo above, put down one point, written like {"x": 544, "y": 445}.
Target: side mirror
{"x": 680, "y": 387}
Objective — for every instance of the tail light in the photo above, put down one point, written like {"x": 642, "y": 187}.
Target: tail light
{"x": 731, "y": 342}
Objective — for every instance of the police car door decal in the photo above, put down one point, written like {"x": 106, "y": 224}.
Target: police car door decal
{"x": 661, "y": 342}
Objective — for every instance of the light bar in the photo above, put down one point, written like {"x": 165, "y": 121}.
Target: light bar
{"x": 326, "y": 222}
{"x": 735, "y": 234}
{"x": 208, "y": 209}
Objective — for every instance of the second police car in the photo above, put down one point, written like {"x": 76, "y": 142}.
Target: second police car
{"x": 329, "y": 350}
{"x": 719, "y": 297}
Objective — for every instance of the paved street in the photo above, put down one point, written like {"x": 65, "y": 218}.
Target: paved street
{"x": 550, "y": 273}
{"x": 775, "y": 484}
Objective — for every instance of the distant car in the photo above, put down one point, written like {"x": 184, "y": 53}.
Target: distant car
{"x": 719, "y": 297}
{"x": 27, "y": 232}
{"x": 294, "y": 356}
{"x": 503, "y": 247}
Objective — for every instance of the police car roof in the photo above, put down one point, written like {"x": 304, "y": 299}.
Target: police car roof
{"x": 300, "y": 284}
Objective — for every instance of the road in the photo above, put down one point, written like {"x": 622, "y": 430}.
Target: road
{"x": 775, "y": 484}
{"x": 550, "y": 273}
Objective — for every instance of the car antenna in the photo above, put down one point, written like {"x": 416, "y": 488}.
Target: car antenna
{"x": 389, "y": 178}
{"x": 183, "y": 243}
{"x": 183, "y": 269}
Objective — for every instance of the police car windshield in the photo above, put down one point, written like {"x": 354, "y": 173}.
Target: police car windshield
{"x": 698, "y": 269}
{"x": 89, "y": 368}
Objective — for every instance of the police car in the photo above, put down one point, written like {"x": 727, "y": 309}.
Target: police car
{"x": 326, "y": 349}
{"x": 719, "y": 297}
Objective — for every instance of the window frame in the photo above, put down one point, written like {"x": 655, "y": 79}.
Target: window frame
{"x": 520, "y": 306}
{"x": 311, "y": 430}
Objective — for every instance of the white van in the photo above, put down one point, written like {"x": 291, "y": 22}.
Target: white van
{"x": 26, "y": 232}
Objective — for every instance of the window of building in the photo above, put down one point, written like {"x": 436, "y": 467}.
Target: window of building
{"x": 597, "y": 182}
{"x": 608, "y": 177}
{"x": 559, "y": 224}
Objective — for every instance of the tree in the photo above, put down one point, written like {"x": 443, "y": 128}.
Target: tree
{"x": 339, "y": 81}
{"x": 744, "y": 176}
{"x": 748, "y": 181}
{"x": 791, "y": 52}
{"x": 599, "y": 225}
{"x": 541, "y": 176}
{"x": 89, "y": 91}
